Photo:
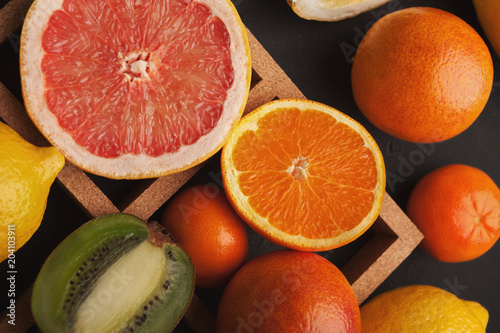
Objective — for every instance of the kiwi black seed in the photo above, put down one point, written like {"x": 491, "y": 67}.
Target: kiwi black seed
{"x": 115, "y": 273}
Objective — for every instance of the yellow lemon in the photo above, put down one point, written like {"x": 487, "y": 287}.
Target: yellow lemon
{"x": 422, "y": 308}
{"x": 332, "y": 10}
{"x": 26, "y": 174}
{"x": 488, "y": 12}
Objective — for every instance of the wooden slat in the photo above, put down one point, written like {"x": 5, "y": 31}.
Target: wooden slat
{"x": 12, "y": 16}
{"x": 85, "y": 193}
{"x": 400, "y": 223}
{"x": 274, "y": 83}
{"x": 14, "y": 114}
{"x": 395, "y": 238}
{"x": 152, "y": 198}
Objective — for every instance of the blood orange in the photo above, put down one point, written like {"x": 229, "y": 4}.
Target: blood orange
{"x": 135, "y": 89}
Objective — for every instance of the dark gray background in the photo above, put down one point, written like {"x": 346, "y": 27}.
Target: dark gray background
{"x": 315, "y": 55}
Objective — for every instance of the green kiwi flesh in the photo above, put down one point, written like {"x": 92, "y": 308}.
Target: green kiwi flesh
{"x": 115, "y": 273}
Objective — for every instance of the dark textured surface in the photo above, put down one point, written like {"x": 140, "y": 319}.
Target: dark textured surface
{"x": 316, "y": 56}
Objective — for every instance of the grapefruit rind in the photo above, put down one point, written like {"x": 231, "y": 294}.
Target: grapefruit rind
{"x": 130, "y": 166}
{"x": 260, "y": 224}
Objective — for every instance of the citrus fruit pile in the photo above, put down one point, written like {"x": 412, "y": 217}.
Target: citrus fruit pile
{"x": 153, "y": 87}
{"x": 135, "y": 89}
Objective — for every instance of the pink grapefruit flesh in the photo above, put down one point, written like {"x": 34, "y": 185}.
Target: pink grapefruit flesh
{"x": 186, "y": 55}
{"x": 143, "y": 78}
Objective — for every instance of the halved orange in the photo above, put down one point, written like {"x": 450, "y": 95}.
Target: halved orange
{"x": 135, "y": 89}
{"x": 304, "y": 175}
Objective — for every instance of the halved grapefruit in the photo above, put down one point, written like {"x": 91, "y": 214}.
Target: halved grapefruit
{"x": 304, "y": 175}
{"x": 135, "y": 89}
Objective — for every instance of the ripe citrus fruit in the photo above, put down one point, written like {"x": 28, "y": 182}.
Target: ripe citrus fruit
{"x": 304, "y": 175}
{"x": 203, "y": 222}
{"x": 332, "y": 10}
{"x": 135, "y": 89}
{"x": 419, "y": 308}
{"x": 288, "y": 291}
{"x": 422, "y": 75}
{"x": 457, "y": 208}
{"x": 488, "y": 12}
{"x": 26, "y": 175}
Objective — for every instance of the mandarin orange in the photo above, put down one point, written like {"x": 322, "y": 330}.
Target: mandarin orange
{"x": 422, "y": 75}
{"x": 457, "y": 208}
{"x": 203, "y": 222}
{"x": 288, "y": 291}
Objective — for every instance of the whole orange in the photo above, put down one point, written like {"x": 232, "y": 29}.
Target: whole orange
{"x": 488, "y": 12}
{"x": 203, "y": 222}
{"x": 288, "y": 291}
{"x": 422, "y": 75}
{"x": 457, "y": 208}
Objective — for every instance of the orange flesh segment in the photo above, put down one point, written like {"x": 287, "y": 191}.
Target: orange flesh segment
{"x": 136, "y": 77}
{"x": 482, "y": 208}
{"x": 306, "y": 173}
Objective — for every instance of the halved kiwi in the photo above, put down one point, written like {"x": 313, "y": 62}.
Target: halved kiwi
{"x": 115, "y": 273}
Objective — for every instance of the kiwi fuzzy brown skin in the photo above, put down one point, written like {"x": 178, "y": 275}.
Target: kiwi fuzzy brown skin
{"x": 63, "y": 290}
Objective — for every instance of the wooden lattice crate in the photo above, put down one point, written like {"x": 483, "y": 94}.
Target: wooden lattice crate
{"x": 393, "y": 238}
